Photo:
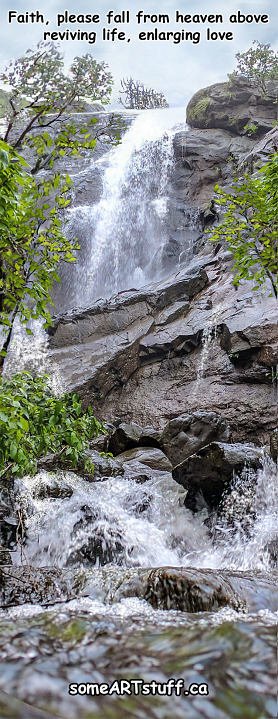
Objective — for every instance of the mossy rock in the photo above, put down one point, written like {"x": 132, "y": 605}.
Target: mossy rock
{"x": 236, "y": 106}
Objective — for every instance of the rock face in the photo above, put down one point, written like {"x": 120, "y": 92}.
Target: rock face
{"x": 204, "y": 157}
{"x": 187, "y": 344}
{"x": 209, "y": 472}
{"x": 236, "y": 106}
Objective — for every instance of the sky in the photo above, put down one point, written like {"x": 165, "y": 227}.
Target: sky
{"x": 178, "y": 70}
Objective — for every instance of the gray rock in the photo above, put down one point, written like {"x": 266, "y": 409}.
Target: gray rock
{"x": 209, "y": 472}
{"x": 128, "y": 436}
{"x": 235, "y": 106}
{"x": 151, "y": 457}
{"x": 185, "y": 435}
{"x": 143, "y": 358}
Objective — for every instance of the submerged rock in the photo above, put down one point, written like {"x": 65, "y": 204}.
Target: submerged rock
{"x": 210, "y": 471}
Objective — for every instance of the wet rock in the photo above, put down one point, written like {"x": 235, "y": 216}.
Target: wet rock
{"x": 185, "y": 435}
{"x": 50, "y": 488}
{"x": 274, "y": 444}
{"x": 190, "y": 591}
{"x": 100, "y": 549}
{"x": 20, "y": 585}
{"x": 147, "y": 357}
{"x": 8, "y": 516}
{"x": 237, "y": 106}
{"x": 128, "y": 436}
{"x": 166, "y": 587}
{"x": 151, "y": 457}
{"x": 272, "y": 549}
{"x": 209, "y": 472}
{"x": 103, "y": 467}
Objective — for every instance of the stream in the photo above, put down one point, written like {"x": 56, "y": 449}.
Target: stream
{"x": 117, "y": 528}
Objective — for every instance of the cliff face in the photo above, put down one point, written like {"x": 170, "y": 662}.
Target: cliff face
{"x": 192, "y": 341}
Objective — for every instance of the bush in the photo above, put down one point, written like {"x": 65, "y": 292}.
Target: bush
{"x": 34, "y": 423}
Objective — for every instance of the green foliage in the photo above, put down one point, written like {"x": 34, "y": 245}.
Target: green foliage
{"x": 250, "y": 225}
{"x": 33, "y": 423}
{"x": 139, "y": 97}
{"x": 259, "y": 64}
{"x": 250, "y": 129}
{"x": 40, "y": 92}
{"x": 32, "y": 243}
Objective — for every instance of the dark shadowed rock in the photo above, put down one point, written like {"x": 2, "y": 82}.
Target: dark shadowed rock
{"x": 274, "y": 445}
{"x": 128, "y": 436}
{"x": 185, "y": 435}
{"x": 209, "y": 472}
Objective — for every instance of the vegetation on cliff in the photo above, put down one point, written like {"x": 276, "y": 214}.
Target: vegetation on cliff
{"x": 32, "y": 241}
{"x": 250, "y": 225}
{"x": 33, "y": 423}
{"x": 259, "y": 64}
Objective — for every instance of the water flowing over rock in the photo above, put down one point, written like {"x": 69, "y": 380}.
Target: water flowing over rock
{"x": 163, "y": 560}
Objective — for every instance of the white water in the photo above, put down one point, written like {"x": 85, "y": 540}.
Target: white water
{"x": 121, "y": 237}
{"x": 123, "y": 522}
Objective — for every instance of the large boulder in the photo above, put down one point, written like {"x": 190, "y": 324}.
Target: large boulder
{"x": 185, "y": 435}
{"x": 237, "y": 106}
{"x": 209, "y": 472}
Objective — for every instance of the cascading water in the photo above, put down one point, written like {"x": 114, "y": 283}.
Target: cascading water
{"x": 122, "y": 522}
{"x": 128, "y": 522}
{"x": 122, "y": 235}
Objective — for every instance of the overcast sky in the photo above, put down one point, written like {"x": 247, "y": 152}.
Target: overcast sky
{"x": 178, "y": 70}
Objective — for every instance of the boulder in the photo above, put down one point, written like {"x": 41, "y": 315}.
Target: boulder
{"x": 104, "y": 466}
{"x": 204, "y": 158}
{"x": 186, "y": 434}
{"x": 208, "y": 473}
{"x": 130, "y": 435}
{"x": 237, "y": 106}
{"x": 150, "y": 457}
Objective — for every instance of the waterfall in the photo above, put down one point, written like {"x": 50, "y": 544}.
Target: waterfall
{"x": 122, "y": 235}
